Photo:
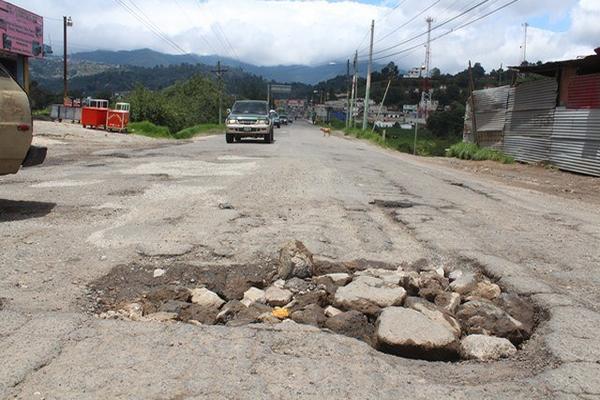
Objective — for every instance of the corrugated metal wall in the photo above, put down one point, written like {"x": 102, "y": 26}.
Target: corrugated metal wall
{"x": 530, "y": 120}
{"x": 576, "y": 141}
{"x": 490, "y": 114}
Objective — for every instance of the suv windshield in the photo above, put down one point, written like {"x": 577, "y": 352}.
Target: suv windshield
{"x": 250, "y": 107}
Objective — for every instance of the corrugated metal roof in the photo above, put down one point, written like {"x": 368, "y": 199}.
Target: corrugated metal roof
{"x": 491, "y": 99}
{"x": 576, "y": 141}
{"x": 536, "y": 95}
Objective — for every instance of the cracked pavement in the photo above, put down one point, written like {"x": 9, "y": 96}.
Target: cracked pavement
{"x": 105, "y": 199}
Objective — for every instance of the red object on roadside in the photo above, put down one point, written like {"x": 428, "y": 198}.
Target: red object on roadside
{"x": 584, "y": 92}
{"x": 94, "y": 115}
{"x": 118, "y": 119}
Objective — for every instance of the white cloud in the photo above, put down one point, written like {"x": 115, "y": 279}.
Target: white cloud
{"x": 269, "y": 32}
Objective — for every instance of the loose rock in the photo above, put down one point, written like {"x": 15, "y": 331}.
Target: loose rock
{"x": 205, "y": 298}
{"x": 331, "y": 311}
{"x": 339, "y": 279}
{"x": 486, "y": 348}
{"x": 295, "y": 261}
{"x": 161, "y": 317}
{"x": 448, "y": 301}
{"x": 464, "y": 283}
{"x": 409, "y": 333}
{"x": 353, "y": 324}
{"x": 486, "y": 290}
{"x": 312, "y": 314}
{"x": 159, "y": 272}
{"x": 518, "y": 308}
{"x": 253, "y": 295}
{"x": 434, "y": 313}
{"x": 368, "y": 295}
{"x": 297, "y": 285}
{"x": 483, "y": 317}
{"x": 278, "y": 297}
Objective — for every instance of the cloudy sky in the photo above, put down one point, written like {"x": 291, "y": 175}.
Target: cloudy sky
{"x": 273, "y": 32}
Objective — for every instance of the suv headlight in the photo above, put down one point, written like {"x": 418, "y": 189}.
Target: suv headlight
{"x": 232, "y": 121}
{"x": 263, "y": 121}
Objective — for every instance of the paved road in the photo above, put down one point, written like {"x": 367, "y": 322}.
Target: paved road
{"x": 104, "y": 200}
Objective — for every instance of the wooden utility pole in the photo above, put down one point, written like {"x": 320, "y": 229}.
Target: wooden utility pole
{"x": 220, "y": 71}
{"x": 368, "y": 91}
{"x": 348, "y": 94}
{"x": 353, "y": 97}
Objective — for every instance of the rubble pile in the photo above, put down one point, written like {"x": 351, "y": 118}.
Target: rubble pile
{"x": 432, "y": 313}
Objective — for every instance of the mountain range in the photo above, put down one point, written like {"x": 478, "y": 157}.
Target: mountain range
{"x": 148, "y": 58}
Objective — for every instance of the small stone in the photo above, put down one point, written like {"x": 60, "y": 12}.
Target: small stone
{"x": 409, "y": 280}
{"x": 440, "y": 271}
{"x": 200, "y": 313}
{"x": 486, "y": 290}
{"x": 133, "y": 311}
{"x": 464, "y": 283}
{"x": 206, "y": 298}
{"x": 173, "y": 306}
{"x": 331, "y": 311}
{"x": 278, "y": 297}
{"x": 486, "y": 348}
{"x": 409, "y": 333}
{"x": 448, "y": 301}
{"x": 229, "y": 311}
{"x": 253, "y": 295}
{"x": 281, "y": 312}
{"x": 295, "y": 261}
{"x": 339, "y": 279}
{"x": 297, "y": 285}
{"x": 280, "y": 283}
{"x": 518, "y": 308}
{"x": 159, "y": 272}
{"x": 313, "y": 314}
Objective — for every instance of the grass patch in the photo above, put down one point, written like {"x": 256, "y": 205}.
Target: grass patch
{"x": 470, "y": 151}
{"x": 199, "y": 130}
{"x": 146, "y": 128}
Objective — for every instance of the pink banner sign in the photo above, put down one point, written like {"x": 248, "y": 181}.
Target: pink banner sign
{"x": 21, "y": 32}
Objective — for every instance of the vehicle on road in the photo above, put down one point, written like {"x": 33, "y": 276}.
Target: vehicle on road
{"x": 283, "y": 118}
{"x": 275, "y": 118}
{"x": 249, "y": 119}
{"x": 16, "y": 128}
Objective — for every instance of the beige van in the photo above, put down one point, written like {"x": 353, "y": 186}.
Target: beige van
{"x": 16, "y": 128}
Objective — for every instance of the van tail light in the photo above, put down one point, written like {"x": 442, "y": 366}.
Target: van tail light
{"x": 23, "y": 128}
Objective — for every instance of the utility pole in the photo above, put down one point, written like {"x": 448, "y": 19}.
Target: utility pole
{"x": 220, "y": 71}
{"x": 524, "y": 46}
{"x": 368, "y": 91}
{"x": 67, "y": 22}
{"x": 381, "y": 105}
{"x": 348, "y": 94}
{"x": 428, "y": 52}
{"x": 426, "y": 93}
{"x": 353, "y": 97}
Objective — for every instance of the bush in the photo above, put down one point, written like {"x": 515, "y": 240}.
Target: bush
{"x": 470, "y": 151}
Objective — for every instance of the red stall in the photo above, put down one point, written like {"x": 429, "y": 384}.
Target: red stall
{"x": 94, "y": 114}
{"x": 118, "y": 119}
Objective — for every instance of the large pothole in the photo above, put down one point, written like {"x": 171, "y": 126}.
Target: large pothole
{"x": 424, "y": 311}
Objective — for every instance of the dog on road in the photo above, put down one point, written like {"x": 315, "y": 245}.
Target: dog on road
{"x": 326, "y": 131}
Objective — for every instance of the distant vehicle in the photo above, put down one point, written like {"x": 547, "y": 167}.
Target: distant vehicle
{"x": 275, "y": 118}
{"x": 283, "y": 118}
{"x": 16, "y": 128}
{"x": 249, "y": 118}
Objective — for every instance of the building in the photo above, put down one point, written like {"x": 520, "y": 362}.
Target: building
{"x": 21, "y": 37}
{"x": 552, "y": 117}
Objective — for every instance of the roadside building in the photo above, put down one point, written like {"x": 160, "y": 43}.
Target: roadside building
{"x": 552, "y": 117}
{"x": 21, "y": 38}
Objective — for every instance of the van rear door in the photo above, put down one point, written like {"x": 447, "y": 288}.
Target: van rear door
{"x": 16, "y": 126}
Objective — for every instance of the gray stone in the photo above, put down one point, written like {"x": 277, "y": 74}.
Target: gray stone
{"x": 253, "y": 295}
{"x": 485, "y": 290}
{"x": 158, "y": 272}
{"x": 434, "y": 313}
{"x": 277, "y": 297}
{"x": 339, "y": 279}
{"x": 173, "y": 306}
{"x": 368, "y": 295}
{"x": 353, "y": 324}
{"x": 229, "y": 311}
{"x": 297, "y": 285}
{"x": 312, "y": 314}
{"x": 523, "y": 311}
{"x": 464, "y": 283}
{"x": 483, "y": 317}
{"x": 486, "y": 348}
{"x": 206, "y": 298}
{"x": 409, "y": 280}
{"x": 295, "y": 261}
{"x": 331, "y": 311}
{"x": 454, "y": 275}
{"x": 431, "y": 284}
{"x": 448, "y": 301}
{"x": 409, "y": 333}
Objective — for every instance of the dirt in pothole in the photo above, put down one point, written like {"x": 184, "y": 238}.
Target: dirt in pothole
{"x": 170, "y": 290}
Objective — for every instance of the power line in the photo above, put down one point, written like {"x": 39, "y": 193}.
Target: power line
{"x": 189, "y": 19}
{"x": 449, "y": 32}
{"x": 433, "y": 28}
{"x": 409, "y": 21}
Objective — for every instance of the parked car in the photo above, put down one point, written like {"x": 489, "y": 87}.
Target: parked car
{"x": 249, "y": 118}
{"x": 275, "y": 118}
{"x": 16, "y": 128}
